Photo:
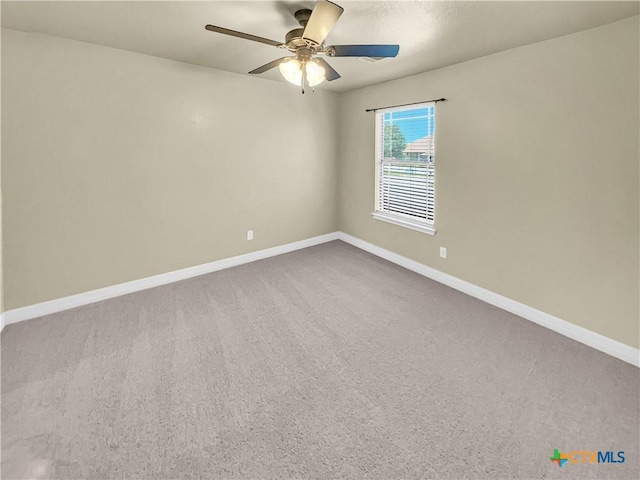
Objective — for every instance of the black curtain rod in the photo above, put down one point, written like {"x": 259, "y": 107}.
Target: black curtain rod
{"x": 406, "y": 104}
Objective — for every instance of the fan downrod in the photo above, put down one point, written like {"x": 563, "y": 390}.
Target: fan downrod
{"x": 302, "y": 16}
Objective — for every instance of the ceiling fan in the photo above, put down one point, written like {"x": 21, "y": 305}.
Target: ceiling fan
{"x": 303, "y": 67}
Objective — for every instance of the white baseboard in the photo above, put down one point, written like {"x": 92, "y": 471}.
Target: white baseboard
{"x": 73, "y": 301}
{"x": 592, "y": 339}
{"x": 595, "y": 340}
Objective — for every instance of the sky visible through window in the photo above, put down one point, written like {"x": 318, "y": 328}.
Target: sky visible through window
{"x": 414, "y": 124}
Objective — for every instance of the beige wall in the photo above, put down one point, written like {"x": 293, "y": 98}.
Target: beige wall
{"x": 537, "y": 154}
{"x": 1, "y": 257}
{"x": 1, "y": 229}
{"x": 117, "y": 166}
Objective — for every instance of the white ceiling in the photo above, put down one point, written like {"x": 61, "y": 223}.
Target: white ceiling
{"x": 430, "y": 34}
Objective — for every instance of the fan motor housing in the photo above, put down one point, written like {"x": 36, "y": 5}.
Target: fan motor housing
{"x": 294, "y": 38}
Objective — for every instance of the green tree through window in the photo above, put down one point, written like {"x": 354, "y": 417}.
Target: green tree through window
{"x": 394, "y": 142}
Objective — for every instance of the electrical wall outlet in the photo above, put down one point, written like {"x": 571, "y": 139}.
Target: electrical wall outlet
{"x": 443, "y": 252}
{"x": 249, "y": 234}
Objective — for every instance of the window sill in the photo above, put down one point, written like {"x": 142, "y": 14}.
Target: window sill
{"x": 404, "y": 222}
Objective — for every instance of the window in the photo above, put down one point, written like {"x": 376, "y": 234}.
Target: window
{"x": 405, "y": 168}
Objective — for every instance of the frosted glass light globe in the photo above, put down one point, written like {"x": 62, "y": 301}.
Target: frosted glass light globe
{"x": 292, "y": 72}
{"x": 315, "y": 73}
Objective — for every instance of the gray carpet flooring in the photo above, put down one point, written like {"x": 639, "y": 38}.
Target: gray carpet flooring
{"x": 323, "y": 363}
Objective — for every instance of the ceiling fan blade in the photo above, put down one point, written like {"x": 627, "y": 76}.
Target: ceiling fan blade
{"x": 329, "y": 72}
{"x": 374, "y": 51}
{"x": 246, "y": 36}
{"x": 324, "y": 16}
{"x": 269, "y": 66}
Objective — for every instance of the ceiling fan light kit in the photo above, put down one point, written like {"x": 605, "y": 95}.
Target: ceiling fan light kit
{"x": 303, "y": 68}
{"x": 293, "y": 70}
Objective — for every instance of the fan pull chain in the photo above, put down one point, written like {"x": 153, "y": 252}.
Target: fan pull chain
{"x": 304, "y": 75}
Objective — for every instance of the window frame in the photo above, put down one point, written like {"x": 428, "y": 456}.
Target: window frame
{"x": 399, "y": 219}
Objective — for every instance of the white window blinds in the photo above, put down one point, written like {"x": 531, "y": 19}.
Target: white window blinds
{"x": 405, "y": 162}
